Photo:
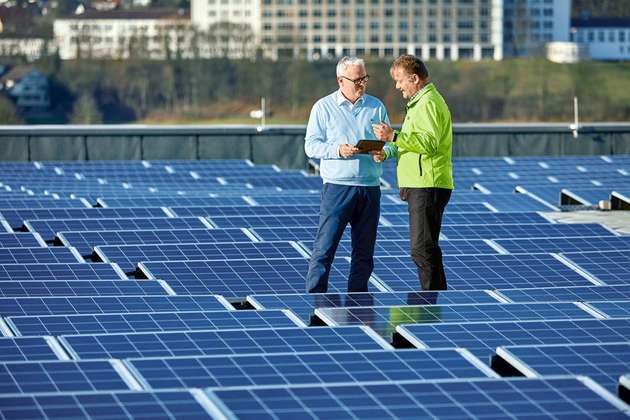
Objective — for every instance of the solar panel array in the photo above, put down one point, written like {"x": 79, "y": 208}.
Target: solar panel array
{"x": 176, "y": 289}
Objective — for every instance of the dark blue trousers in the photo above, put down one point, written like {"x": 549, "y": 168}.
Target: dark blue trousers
{"x": 340, "y": 205}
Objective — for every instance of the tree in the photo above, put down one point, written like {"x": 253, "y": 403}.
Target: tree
{"x": 8, "y": 113}
{"x": 86, "y": 111}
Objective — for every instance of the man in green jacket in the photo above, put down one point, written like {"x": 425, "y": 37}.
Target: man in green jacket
{"x": 424, "y": 167}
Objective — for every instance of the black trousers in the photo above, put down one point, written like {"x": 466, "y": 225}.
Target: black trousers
{"x": 426, "y": 207}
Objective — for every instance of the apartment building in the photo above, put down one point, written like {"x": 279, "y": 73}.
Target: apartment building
{"x": 604, "y": 38}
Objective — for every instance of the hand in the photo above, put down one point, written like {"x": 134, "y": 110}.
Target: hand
{"x": 347, "y": 150}
{"x": 383, "y": 132}
{"x": 378, "y": 155}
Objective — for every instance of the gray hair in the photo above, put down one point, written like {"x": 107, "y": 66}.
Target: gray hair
{"x": 348, "y": 61}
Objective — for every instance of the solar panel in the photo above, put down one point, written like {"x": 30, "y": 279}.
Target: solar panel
{"x": 149, "y": 321}
{"x": 86, "y": 241}
{"x": 116, "y": 287}
{"x": 48, "y": 228}
{"x": 21, "y": 239}
{"x": 15, "y": 349}
{"x": 239, "y": 278}
{"x": 568, "y": 397}
{"x": 304, "y": 304}
{"x": 307, "y": 234}
{"x": 39, "y": 255}
{"x": 297, "y": 181}
{"x": 307, "y": 368}
{"x": 482, "y": 338}
{"x": 475, "y": 219}
{"x": 610, "y": 267}
{"x": 604, "y": 363}
{"x": 524, "y": 231}
{"x": 510, "y": 202}
{"x": 57, "y": 271}
{"x": 244, "y": 210}
{"x": 164, "y": 405}
{"x": 483, "y": 272}
{"x": 401, "y": 247}
{"x": 41, "y": 203}
{"x": 225, "y": 342}
{"x": 6, "y": 226}
{"x": 128, "y": 256}
{"x": 171, "y": 201}
{"x": 264, "y": 221}
{"x": 64, "y": 376}
{"x": 17, "y": 216}
{"x": 579, "y": 244}
{"x": 284, "y": 199}
{"x": 62, "y": 305}
{"x": 567, "y": 294}
{"x": 613, "y": 309}
{"x": 384, "y": 319}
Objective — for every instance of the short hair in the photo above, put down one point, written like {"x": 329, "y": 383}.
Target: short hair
{"x": 412, "y": 65}
{"x": 348, "y": 61}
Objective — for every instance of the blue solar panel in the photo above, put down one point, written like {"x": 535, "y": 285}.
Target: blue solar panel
{"x": 39, "y": 255}
{"x": 69, "y": 271}
{"x": 108, "y": 304}
{"x": 303, "y": 305}
{"x": 165, "y": 405}
{"x": 307, "y": 234}
{"x": 128, "y": 256}
{"x": 20, "y": 239}
{"x": 614, "y": 309}
{"x": 610, "y": 267}
{"x": 481, "y": 398}
{"x": 264, "y": 221}
{"x": 62, "y": 376}
{"x": 508, "y": 202}
{"x": 14, "y": 288}
{"x": 172, "y": 201}
{"x": 49, "y": 228}
{"x": 475, "y": 218}
{"x": 239, "y": 278}
{"x": 284, "y": 199}
{"x": 384, "y": 319}
{"x": 246, "y": 210}
{"x": 482, "y": 338}
{"x": 579, "y": 244}
{"x": 15, "y": 349}
{"x": 585, "y": 196}
{"x": 307, "y": 368}
{"x": 225, "y": 342}
{"x": 295, "y": 182}
{"x": 483, "y": 272}
{"x": 524, "y": 231}
{"x": 567, "y": 294}
{"x": 41, "y": 203}
{"x": 604, "y": 363}
{"x": 17, "y": 216}
{"x": 148, "y": 321}
{"x": 86, "y": 241}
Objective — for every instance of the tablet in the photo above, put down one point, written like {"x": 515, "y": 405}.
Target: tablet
{"x": 366, "y": 146}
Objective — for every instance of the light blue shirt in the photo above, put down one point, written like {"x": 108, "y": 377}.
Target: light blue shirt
{"x": 334, "y": 120}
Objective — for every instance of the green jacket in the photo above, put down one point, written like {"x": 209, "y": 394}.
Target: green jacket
{"x": 424, "y": 143}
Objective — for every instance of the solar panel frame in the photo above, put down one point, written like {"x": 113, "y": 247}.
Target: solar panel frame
{"x": 609, "y": 267}
{"x": 28, "y": 255}
{"x": 223, "y": 222}
{"x": 553, "y": 359}
{"x": 225, "y": 342}
{"x": 525, "y": 231}
{"x": 20, "y": 203}
{"x": 31, "y": 349}
{"x": 611, "y": 309}
{"x": 562, "y": 244}
{"x": 83, "y": 288}
{"x": 21, "y": 240}
{"x": 111, "y": 323}
{"x": 59, "y": 271}
{"x": 572, "y": 294}
{"x": 170, "y": 201}
{"x": 6, "y": 226}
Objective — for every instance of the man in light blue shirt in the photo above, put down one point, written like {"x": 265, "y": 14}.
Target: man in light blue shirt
{"x": 351, "y": 191}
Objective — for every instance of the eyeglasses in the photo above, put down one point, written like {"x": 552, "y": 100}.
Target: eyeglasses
{"x": 359, "y": 81}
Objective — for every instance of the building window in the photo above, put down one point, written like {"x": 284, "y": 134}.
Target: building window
{"x": 611, "y": 36}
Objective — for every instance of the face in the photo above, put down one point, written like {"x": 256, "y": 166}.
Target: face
{"x": 351, "y": 90}
{"x": 407, "y": 84}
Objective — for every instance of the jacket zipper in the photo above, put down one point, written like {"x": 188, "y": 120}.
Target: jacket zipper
{"x": 420, "y": 164}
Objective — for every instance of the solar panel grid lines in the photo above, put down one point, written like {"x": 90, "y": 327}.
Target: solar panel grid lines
{"x": 533, "y": 230}
{"x": 6, "y": 226}
{"x": 609, "y": 267}
{"x": 117, "y": 405}
{"x": 563, "y": 244}
{"x": 39, "y": 255}
{"x": 30, "y": 348}
{"x": 21, "y": 239}
{"x": 223, "y": 342}
{"x": 611, "y": 308}
{"x": 481, "y": 338}
{"x": 305, "y": 368}
{"x": 283, "y": 220}
{"x": 603, "y": 362}
{"x": 570, "y": 294}
{"x": 20, "y": 203}
{"x": 171, "y": 201}
{"x": 107, "y": 287}
{"x": 60, "y": 271}
{"x": 65, "y": 376}
{"x": 148, "y": 322}
{"x": 128, "y": 256}
{"x": 72, "y": 305}
{"x": 575, "y": 397}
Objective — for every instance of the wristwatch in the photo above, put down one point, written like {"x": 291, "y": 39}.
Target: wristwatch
{"x": 395, "y": 136}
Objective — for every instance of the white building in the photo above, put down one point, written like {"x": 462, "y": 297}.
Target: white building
{"x": 28, "y": 87}
{"x": 438, "y": 29}
{"x": 150, "y": 33}
{"x": 21, "y": 46}
{"x": 605, "y": 38}
{"x": 530, "y": 24}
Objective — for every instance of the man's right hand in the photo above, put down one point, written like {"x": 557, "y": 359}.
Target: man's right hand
{"x": 347, "y": 150}
{"x": 378, "y": 155}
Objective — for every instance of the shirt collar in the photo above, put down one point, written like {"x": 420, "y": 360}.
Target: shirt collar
{"x": 342, "y": 99}
{"x": 419, "y": 94}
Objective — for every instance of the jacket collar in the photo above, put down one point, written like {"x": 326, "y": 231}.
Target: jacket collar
{"x": 419, "y": 94}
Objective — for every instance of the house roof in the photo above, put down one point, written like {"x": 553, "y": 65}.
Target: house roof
{"x": 601, "y": 22}
{"x": 183, "y": 14}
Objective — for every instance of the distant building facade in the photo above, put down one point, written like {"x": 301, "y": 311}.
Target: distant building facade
{"x": 313, "y": 29}
{"x": 605, "y": 38}
{"x": 18, "y": 46}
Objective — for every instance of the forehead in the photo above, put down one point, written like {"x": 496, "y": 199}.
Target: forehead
{"x": 399, "y": 73}
{"x": 354, "y": 69}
